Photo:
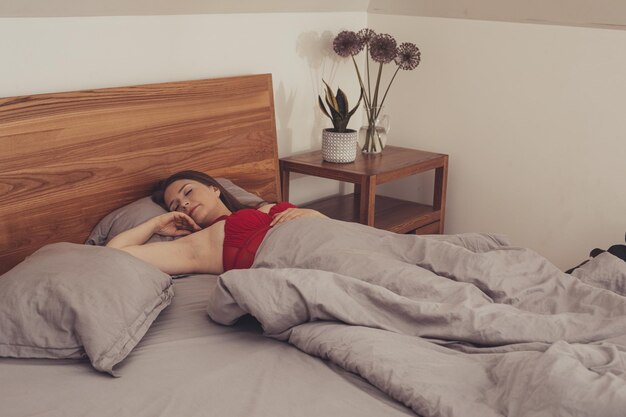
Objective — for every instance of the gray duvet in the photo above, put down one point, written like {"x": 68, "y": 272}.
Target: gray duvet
{"x": 460, "y": 325}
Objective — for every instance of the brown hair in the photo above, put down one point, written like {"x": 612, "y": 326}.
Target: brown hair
{"x": 158, "y": 194}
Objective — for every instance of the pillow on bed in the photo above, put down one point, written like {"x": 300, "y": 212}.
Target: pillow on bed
{"x": 139, "y": 211}
{"x": 246, "y": 198}
{"x": 70, "y": 301}
{"x": 125, "y": 218}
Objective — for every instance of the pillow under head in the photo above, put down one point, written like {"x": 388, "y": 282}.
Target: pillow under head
{"x": 125, "y": 218}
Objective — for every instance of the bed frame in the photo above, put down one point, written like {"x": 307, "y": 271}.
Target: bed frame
{"x": 68, "y": 159}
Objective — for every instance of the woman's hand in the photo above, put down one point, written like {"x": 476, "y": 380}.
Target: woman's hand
{"x": 175, "y": 223}
{"x": 294, "y": 213}
{"x": 168, "y": 224}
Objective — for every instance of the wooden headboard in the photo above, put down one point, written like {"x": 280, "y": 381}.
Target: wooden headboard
{"x": 68, "y": 159}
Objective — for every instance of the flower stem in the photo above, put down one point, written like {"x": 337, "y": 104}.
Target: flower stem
{"x": 388, "y": 87}
{"x": 380, "y": 72}
{"x": 367, "y": 60}
{"x": 358, "y": 73}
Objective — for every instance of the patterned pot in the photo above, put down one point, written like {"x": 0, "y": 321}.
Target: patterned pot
{"x": 339, "y": 147}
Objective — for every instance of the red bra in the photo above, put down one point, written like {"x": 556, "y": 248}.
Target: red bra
{"x": 244, "y": 231}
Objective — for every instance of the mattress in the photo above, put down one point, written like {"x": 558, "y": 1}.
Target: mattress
{"x": 187, "y": 365}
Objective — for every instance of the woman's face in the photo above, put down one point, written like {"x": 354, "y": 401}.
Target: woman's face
{"x": 193, "y": 198}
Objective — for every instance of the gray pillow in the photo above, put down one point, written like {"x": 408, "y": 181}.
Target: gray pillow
{"x": 245, "y": 197}
{"x": 70, "y": 301}
{"x": 125, "y": 218}
{"x": 139, "y": 211}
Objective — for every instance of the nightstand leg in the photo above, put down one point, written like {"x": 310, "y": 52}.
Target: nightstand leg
{"x": 284, "y": 185}
{"x": 439, "y": 198}
{"x": 368, "y": 200}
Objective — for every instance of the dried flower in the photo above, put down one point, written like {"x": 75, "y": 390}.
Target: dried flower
{"x": 366, "y": 35}
{"x": 347, "y": 43}
{"x": 408, "y": 57}
{"x": 383, "y": 48}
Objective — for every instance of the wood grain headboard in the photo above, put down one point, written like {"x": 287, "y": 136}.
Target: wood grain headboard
{"x": 68, "y": 159}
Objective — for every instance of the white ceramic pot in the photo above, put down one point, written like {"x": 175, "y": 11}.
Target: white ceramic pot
{"x": 339, "y": 147}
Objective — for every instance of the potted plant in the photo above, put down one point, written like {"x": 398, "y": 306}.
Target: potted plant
{"x": 339, "y": 143}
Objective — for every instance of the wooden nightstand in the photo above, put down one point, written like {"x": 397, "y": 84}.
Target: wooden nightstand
{"x": 364, "y": 205}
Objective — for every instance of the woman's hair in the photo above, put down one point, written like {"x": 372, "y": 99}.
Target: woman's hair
{"x": 158, "y": 194}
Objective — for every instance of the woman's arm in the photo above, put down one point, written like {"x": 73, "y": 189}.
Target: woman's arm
{"x": 136, "y": 236}
{"x": 176, "y": 257}
{"x": 168, "y": 224}
{"x": 294, "y": 213}
{"x": 286, "y": 214}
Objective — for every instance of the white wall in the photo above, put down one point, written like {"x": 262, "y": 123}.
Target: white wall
{"x": 531, "y": 115}
{"x": 42, "y": 55}
{"x": 533, "y": 119}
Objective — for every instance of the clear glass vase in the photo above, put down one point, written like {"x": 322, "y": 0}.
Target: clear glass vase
{"x": 373, "y": 135}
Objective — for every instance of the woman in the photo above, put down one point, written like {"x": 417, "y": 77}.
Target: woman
{"x": 219, "y": 232}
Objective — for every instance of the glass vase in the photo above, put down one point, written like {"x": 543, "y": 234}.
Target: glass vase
{"x": 373, "y": 135}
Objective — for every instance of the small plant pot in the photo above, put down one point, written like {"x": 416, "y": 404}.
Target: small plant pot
{"x": 338, "y": 147}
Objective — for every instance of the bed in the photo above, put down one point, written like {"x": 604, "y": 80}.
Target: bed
{"x": 334, "y": 318}
{"x": 67, "y": 160}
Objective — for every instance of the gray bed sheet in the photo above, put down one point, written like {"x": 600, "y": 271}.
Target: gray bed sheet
{"x": 186, "y": 365}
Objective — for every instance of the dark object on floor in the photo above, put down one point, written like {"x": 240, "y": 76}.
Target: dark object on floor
{"x": 615, "y": 250}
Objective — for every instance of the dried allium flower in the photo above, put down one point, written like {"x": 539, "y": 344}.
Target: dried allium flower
{"x": 408, "y": 57}
{"x": 383, "y": 48}
{"x": 366, "y": 35}
{"x": 347, "y": 43}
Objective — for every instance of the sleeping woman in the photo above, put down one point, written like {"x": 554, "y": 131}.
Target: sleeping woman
{"x": 219, "y": 233}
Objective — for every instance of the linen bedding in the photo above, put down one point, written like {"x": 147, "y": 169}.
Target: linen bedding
{"x": 186, "y": 365}
{"x": 450, "y": 326}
